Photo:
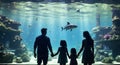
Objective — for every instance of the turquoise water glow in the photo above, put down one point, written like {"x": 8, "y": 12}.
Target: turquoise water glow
{"x": 34, "y": 16}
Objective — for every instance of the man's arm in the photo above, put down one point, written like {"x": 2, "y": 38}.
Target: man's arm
{"x": 49, "y": 46}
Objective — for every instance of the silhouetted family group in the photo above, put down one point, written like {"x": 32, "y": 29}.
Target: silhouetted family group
{"x": 43, "y": 46}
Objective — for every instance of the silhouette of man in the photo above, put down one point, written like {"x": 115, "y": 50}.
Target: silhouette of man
{"x": 42, "y": 44}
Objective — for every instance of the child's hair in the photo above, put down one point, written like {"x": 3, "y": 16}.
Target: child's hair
{"x": 73, "y": 51}
{"x": 63, "y": 43}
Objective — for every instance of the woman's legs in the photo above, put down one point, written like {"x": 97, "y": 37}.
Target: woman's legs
{"x": 62, "y": 63}
{"x": 85, "y": 63}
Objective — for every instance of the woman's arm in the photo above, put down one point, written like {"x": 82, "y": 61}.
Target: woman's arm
{"x": 81, "y": 48}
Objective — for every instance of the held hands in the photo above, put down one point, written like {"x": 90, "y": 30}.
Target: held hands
{"x": 52, "y": 55}
{"x": 78, "y": 54}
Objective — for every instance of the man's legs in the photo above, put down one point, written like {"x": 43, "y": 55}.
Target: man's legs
{"x": 39, "y": 60}
{"x": 90, "y": 64}
{"x": 45, "y": 60}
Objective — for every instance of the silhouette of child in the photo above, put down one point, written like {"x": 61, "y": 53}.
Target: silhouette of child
{"x": 73, "y": 57}
{"x": 63, "y": 53}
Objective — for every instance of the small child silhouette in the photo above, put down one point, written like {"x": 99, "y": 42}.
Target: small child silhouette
{"x": 63, "y": 53}
{"x": 73, "y": 57}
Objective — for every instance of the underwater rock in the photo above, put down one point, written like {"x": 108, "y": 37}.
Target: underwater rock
{"x": 7, "y": 57}
{"x": 116, "y": 22}
{"x": 101, "y": 54}
{"x": 6, "y": 54}
{"x": 1, "y": 48}
{"x": 115, "y": 27}
{"x": 96, "y": 29}
{"x": 117, "y": 58}
{"x": 20, "y": 51}
{"x": 8, "y": 30}
{"x": 112, "y": 45}
{"x": 107, "y": 60}
{"x": 9, "y": 22}
{"x": 99, "y": 57}
{"x": 109, "y": 36}
{"x": 23, "y": 53}
{"x": 115, "y": 37}
{"x": 115, "y": 12}
{"x": 25, "y": 57}
{"x": 18, "y": 60}
{"x": 100, "y": 32}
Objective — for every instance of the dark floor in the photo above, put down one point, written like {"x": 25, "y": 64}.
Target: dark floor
{"x": 54, "y": 64}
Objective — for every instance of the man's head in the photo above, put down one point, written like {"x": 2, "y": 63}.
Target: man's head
{"x": 44, "y": 31}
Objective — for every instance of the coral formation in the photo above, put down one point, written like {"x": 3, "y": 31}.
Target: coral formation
{"x": 108, "y": 38}
{"x": 117, "y": 58}
{"x": 107, "y": 60}
{"x": 10, "y": 41}
{"x": 19, "y": 60}
{"x": 6, "y": 57}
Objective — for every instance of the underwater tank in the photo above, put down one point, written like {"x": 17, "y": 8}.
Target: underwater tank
{"x": 21, "y": 23}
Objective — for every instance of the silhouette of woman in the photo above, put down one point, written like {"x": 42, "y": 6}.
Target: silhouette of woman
{"x": 88, "y": 49}
{"x": 63, "y": 53}
{"x": 73, "y": 57}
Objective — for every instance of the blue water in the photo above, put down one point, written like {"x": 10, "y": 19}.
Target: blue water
{"x": 53, "y": 16}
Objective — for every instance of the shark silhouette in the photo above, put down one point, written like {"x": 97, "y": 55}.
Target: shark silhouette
{"x": 69, "y": 26}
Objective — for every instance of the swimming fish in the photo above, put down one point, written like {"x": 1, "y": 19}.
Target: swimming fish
{"x": 69, "y": 26}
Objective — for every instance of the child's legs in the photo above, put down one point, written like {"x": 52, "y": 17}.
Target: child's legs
{"x": 62, "y": 63}
{"x": 87, "y": 63}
